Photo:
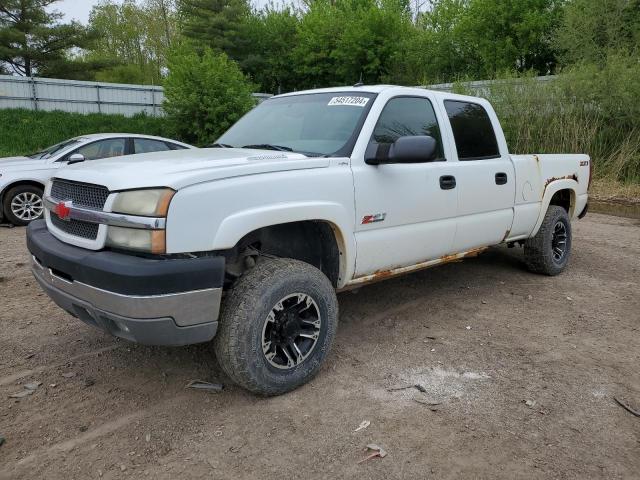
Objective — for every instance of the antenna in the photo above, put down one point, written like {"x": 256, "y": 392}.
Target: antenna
{"x": 360, "y": 82}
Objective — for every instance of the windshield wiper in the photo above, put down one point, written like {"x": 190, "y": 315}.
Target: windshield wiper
{"x": 220, "y": 145}
{"x": 268, "y": 146}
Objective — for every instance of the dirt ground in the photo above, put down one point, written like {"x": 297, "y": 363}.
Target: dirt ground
{"x": 523, "y": 368}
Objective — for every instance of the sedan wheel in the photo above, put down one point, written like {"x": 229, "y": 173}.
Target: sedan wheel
{"x": 23, "y": 204}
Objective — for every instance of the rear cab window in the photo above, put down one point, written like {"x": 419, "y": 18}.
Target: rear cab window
{"x": 472, "y": 131}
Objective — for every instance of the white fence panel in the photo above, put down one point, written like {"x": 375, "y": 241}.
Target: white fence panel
{"x": 479, "y": 87}
{"x": 83, "y": 97}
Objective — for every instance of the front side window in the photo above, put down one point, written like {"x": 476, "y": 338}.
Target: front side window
{"x": 112, "y": 147}
{"x": 313, "y": 124}
{"x": 408, "y": 116}
{"x": 472, "y": 131}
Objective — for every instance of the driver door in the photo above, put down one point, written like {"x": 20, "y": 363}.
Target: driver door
{"x": 404, "y": 213}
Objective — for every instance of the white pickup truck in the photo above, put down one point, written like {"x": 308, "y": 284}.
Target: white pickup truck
{"x": 310, "y": 193}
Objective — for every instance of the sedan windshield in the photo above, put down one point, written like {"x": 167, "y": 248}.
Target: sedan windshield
{"x": 313, "y": 124}
{"x": 49, "y": 152}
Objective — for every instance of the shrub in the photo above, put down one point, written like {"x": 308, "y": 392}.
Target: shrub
{"x": 204, "y": 94}
{"x": 27, "y": 131}
{"x": 587, "y": 109}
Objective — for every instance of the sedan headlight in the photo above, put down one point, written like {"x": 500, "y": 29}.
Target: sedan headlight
{"x": 146, "y": 203}
{"x": 149, "y": 203}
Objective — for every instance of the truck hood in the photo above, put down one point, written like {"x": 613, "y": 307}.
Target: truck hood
{"x": 22, "y": 164}
{"x": 181, "y": 168}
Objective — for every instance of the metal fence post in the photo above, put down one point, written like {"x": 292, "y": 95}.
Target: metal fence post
{"x": 34, "y": 93}
{"x": 98, "y": 98}
{"x": 153, "y": 101}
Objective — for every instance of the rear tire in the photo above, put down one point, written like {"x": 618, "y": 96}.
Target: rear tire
{"x": 549, "y": 250}
{"x": 277, "y": 326}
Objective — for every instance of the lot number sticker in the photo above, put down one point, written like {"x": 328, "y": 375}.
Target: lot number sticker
{"x": 349, "y": 101}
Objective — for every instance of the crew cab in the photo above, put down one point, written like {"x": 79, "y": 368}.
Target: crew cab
{"x": 246, "y": 243}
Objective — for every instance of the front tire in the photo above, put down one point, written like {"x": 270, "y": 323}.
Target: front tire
{"x": 277, "y": 326}
{"x": 23, "y": 204}
{"x": 549, "y": 250}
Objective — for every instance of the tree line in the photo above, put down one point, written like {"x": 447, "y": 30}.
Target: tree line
{"x": 319, "y": 43}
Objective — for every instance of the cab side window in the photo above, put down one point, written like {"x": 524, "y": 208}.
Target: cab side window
{"x": 472, "y": 131}
{"x": 112, "y": 147}
{"x": 408, "y": 116}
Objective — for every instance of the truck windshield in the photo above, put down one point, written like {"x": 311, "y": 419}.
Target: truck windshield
{"x": 316, "y": 124}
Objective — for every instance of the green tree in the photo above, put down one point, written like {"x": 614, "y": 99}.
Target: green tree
{"x": 32, "y": 40}
{"x": 272, "y": 36}
{"x": 482, "y": 38}
{"x": 512, "y": 34}
{"x": 132, "y": 39}
{"x": 441, "y": 47}
{"x": 371, "y": 41}
{"x": 340, "y": 40}
{"x": 592, "y": 29}
{"x": 205, "y": 93}
{"x": 318, "y": 34}
{"x": 216, "y": 24}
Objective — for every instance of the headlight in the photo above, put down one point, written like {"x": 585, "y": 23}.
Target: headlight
{"x": 153, "y": 202}
{"x": 153, "y": 241}
{"x": 149, "y": 203}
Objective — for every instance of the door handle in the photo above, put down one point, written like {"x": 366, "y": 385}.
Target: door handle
{"x": 447, "y": 182}
{"x": 501, "y": 178}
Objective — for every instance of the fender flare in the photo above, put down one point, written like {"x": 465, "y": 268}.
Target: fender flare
{"x": 550, "y": 190}
{"x": 234, "y": 227}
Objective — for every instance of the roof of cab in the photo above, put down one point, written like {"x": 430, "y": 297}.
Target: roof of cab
{"x": 381, "y": 88}
{"x": 101, "y": 136}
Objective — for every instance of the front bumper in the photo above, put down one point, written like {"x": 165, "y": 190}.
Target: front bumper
{"x": 149, "y": 301}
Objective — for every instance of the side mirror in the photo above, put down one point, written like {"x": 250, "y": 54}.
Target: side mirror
{"x": 76, "y": 158}
{"x": 411, "y": 149}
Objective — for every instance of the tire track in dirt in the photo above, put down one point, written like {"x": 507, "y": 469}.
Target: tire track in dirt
{"x": 72, "y": 443}
{"x": 42, "y": 456}
{"x": 9, "y": 379}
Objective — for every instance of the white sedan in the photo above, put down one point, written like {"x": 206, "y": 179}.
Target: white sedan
{"x": 22, "y": 179}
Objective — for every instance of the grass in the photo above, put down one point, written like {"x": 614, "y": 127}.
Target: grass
{"x": 608, "y": 189}
{"x": 566, "y": 116}
{"x": 25, "y": 131}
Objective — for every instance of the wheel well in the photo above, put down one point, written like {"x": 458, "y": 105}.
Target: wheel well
{"x": 564, "y": 198}
{"x": 17, "y": 184}
{"x": 310, "y": 241}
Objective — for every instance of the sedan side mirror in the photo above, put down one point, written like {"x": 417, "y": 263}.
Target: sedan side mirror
{"x": 76, "y": 158}
{"x": 410, "y": 149}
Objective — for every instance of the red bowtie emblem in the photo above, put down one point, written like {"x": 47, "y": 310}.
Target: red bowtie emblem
{"x": 63, "y": 210}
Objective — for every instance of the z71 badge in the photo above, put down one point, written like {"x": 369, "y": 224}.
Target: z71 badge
{"x": 378, "y": 217}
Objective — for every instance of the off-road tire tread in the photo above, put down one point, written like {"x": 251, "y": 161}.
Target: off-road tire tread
{"x": 537, "y": 250}
{"x": 231, "y": 343}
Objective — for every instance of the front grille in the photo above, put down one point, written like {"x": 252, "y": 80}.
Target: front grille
{"x": 76, "y": 227}
{"x": 84, "y": 195}
{"x": 81, "y": 194}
